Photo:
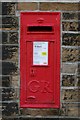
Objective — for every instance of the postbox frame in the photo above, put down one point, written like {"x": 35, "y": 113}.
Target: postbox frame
{"x": 23, "y": 102}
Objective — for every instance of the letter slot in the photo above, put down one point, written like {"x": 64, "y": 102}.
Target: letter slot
{"x": 39, "y": 29}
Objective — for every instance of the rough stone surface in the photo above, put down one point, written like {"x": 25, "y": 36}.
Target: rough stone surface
{"x": 69, "y": 68}
{"x": 9, "y": 37}
{"x": 9, "y": 23}
{"x": 71, "y": 95}
{"x": 71, "y": 39}
{"x": 8, "y": 8}
{"x": 27, "y": 6}
{"x": 71, "y": 16}
{"x": 10, "y": 81}
{"x": 10, "y": 53}
{"x": 15, "y": 81}
{"x": 39, "y": 112}
{"x": 13, "y": 37}
{"x": 10, "y": 109}
{"x": 71, "y": 26}
{"x": 4, "y": 37}
{"x": 70, "y": 55}
{"x": 74, "y": 110}
{"x": 78, "y": 84}
{"x": 59, "y": 6}
{"x": 69, "y": 109}
{"x": 68, "y": 80}
{"x": 9, "y": 68}
{"x": 9, "y": 94}
{"x": 6, "y": 81}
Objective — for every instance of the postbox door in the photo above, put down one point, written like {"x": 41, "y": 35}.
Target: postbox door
{"x": 40, "y": 73}
{"x": 40, "y": 60}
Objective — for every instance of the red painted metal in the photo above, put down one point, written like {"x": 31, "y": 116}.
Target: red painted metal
{"x": 40, "y": 60}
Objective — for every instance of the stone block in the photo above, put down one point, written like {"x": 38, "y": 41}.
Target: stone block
{"x": 71, "y": 95}
{"x": 9, "y": 68}
{"x": 70, "y": 55}
{"x": 74, "y": 110}
{"x": 59, "y": 6}
{"x": 10, "y": 81}
{"x": 27, "y": 6}
{"x": 71, "y": 39}
{"x": 71, "y": 16}
{"x": 9, "y": 94}
{"x": 4, "y": 37}
{"x": 13, "y": 37}
{"x": 9, "y": 37}
{"x": 78, "y": 83}
{"x": 70, "y": 68}
{"x": 10, "y": 109}
{"x": 71, "y": 80}
{"x": 10, "y": 53}
{"x": 15, "y": 81}
{"x": 70, "y": 110}
{"x": 10, "y": 23}
{"x": 39, "y": 112}
{"x": 6, "y": 81}
{"x": 8, "y": 8}
{"x": 71, "y": 26}
{"x": 68, "y": 80}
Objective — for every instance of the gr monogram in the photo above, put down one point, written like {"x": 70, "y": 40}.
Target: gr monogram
{"x": 39, "y": 86}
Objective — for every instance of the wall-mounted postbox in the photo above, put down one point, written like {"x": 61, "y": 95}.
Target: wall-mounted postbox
{"x": 40, "y": 59}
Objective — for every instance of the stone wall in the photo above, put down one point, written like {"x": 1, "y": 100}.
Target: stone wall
{"x": 70, "y": 61}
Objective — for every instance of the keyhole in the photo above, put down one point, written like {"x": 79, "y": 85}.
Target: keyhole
{"x": 32, "y": 71}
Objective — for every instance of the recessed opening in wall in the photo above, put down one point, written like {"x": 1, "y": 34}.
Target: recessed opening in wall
{"x": 39, "y": 29}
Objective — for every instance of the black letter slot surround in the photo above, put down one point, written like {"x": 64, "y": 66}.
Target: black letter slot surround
{"x": 39, "y": 29}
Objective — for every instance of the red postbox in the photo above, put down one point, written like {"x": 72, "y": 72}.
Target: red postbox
{"x": 40, "y": 59}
